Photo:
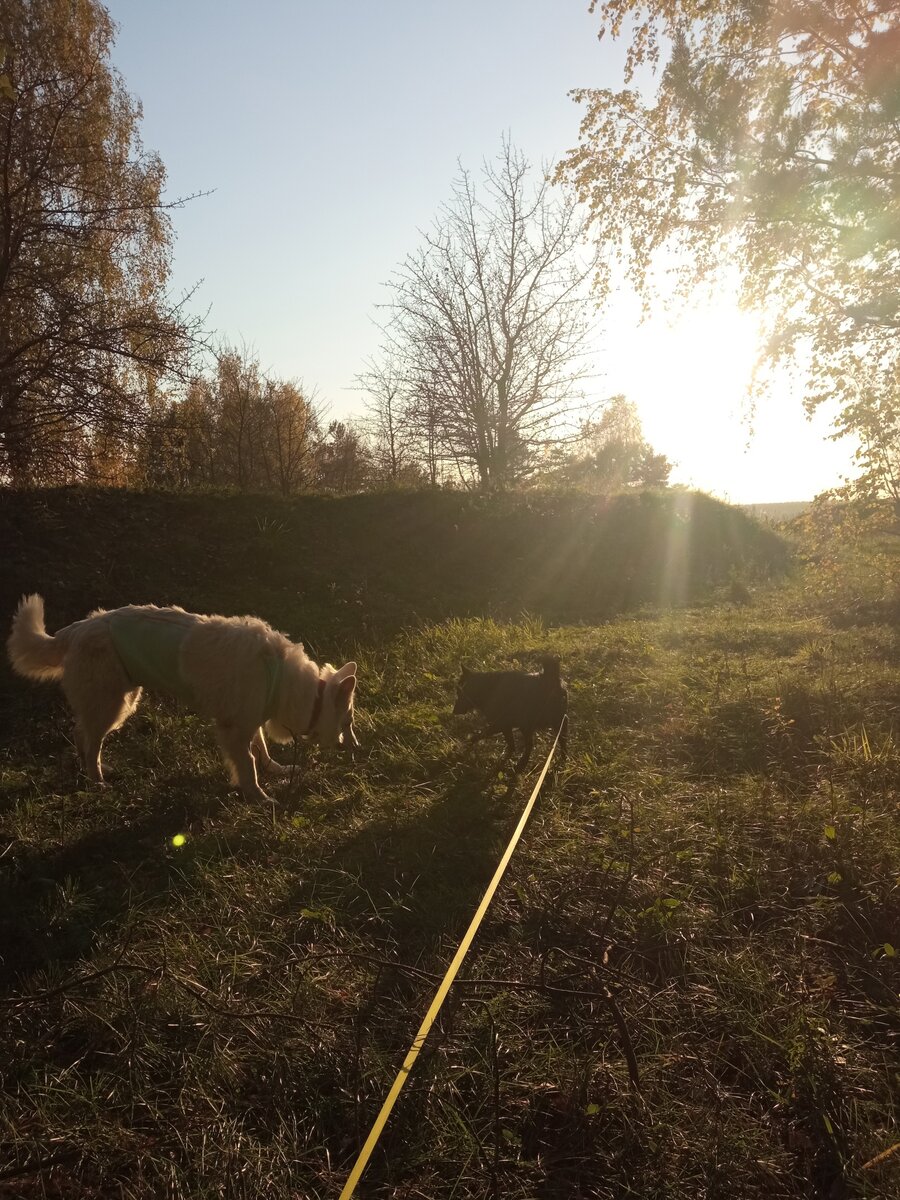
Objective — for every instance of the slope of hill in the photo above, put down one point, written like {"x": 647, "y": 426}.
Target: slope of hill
{"x": 364, "y": 566}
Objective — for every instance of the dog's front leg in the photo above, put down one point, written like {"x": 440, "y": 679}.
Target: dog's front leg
{"x": 236, "y": 748}
{"x": 526, "y": 750}
{"x": 264, "y": 759}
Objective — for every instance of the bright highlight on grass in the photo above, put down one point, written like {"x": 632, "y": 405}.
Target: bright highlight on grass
{"x": 179, "y": 839}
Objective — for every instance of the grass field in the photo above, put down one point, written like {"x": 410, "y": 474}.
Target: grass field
{"x": 686, "y": 986}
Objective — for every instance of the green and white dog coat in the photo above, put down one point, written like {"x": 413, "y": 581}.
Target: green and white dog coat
{"x": 150, "y": 646}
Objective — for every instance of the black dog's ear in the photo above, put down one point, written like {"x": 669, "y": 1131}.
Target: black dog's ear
{"x": 466, "y": 672}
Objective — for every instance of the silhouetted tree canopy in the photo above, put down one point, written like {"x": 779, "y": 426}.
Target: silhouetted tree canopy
{"x": 612, "y": 454}
{"x": 773, "y": 145}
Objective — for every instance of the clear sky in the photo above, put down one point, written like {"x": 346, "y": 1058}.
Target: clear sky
{"x": 329, "y": 133}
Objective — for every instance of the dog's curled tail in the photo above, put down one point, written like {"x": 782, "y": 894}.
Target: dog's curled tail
{"x": 32, "y": 651}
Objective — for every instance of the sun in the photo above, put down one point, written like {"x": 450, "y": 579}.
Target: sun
{"x": 690, "y": 376}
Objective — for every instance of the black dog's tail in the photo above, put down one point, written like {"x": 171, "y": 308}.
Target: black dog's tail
{"x": 556, "y": 700}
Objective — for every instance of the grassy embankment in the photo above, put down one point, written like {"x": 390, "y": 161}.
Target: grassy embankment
{"x": 685, "y": 986}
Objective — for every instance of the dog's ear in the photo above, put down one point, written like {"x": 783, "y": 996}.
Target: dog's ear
{"x": 466, "y": 672}
{"x": 345, "y": 672}
{"x": 345, "y": 678}
{"x": 345, "y": 692}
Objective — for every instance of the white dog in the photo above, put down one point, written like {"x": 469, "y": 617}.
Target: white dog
{"x": 237, "y": 670}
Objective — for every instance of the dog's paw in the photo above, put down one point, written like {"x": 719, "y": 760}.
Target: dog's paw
{"x": 279, "y": 770}
{"x": 257, "y": 796}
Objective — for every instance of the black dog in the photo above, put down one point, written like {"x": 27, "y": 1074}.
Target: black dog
{"x": 511, "y": 700}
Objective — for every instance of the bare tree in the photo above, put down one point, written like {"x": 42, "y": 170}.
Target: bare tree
{"x": 488, "y": 321}
{"x": 425, "y": 418}
{"x": 389, "y": 421}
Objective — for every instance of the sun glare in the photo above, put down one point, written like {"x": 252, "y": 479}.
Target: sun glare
{"x": 689, "y": 377}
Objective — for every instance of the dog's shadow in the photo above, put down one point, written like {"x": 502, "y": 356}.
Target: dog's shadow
{"x": 56, "y": 897}
{"x": 410, "y": 879}
{"x": 403, "y": 889}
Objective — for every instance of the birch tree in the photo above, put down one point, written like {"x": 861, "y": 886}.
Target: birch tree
{"x": 771, "y": 145}
{"x": 86, "y": 324}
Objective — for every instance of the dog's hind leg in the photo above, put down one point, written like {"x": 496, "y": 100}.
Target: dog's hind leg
{"x": 264, "y": 760}
{"x": 100, "y": 694}
{"x": 93, "y": 723}
{"x": 238, "y": 755}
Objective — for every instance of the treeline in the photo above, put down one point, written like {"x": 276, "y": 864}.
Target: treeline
{"x": 106, "y": 379}
{"x": 487, "y": 332}
{"x": 242, "y": 430}
{"x": 237, "y": 428}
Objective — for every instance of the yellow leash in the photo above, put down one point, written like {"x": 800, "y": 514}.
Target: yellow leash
{"x": 441, "y": 994}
